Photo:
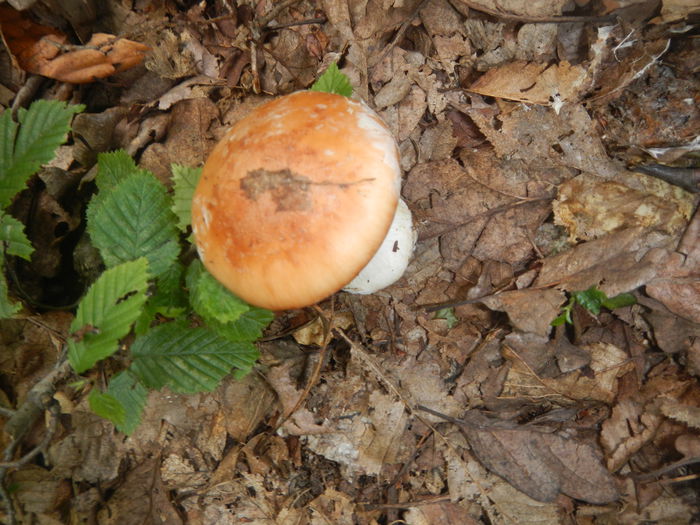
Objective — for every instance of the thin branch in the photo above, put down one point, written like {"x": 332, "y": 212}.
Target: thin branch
{"x": 275, "y": 11}
{"x": 399, "y": 34}
{"x": 50, "y": 432}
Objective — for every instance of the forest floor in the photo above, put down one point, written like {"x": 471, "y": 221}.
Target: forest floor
{"x": 533, "y": 145}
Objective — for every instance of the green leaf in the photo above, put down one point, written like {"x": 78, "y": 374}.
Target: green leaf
{"x": 107, "y": 406}
{"x": 115, "y": 167}
{"x": 42, "y": 128}
{"x": 169, "y": 299}
{"x": 209, "y": 298}
{"x": 134, "y": 220}
{"x": 8, "y": 308}
{"x": 186, "y": 359}
{"x": 333, "y": 81}
{"x": 591, "y": 299}
{"x": 565, "y": 316}
{"x": 184, "y": 183}
{"x": 448, "y": 314}
{"x": 248, "y": 327}
{"x": 12, "y": 233}
{"x": 620, "y": 301}
{"x": 126, "y": 388}
{"x": 106, "y": 313}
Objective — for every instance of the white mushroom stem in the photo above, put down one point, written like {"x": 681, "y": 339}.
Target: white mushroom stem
{"x": 391, "y": 259}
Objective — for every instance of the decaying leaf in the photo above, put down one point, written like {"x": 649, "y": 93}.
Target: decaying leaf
{"x": 590, "y": 207}
{"x": 45, "y": 51}
{"x": 541, "y": 465}
{"x": 534, "y": 83}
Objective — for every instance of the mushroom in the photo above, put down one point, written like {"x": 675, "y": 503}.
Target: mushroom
{"x": 391, "y": 259}
{"x": 297, "y": 197}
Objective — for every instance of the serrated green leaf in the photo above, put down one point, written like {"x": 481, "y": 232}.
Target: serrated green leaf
{"x": 620, "y": 301}
{"x": 126, "y": 388}
{"x": 186, "y": 359}
{"x": 209, "y": 298}
{"x": 591, "y": 299}
{"x": 12, "y": 233}
{"x": 42, "y": 128}
{"x": 115, "y": 167}
{"x": 333, "y": 81}
{"x": 248, "y": 327}
{"x": 184, "y": 183}
{"x": 134, "y": 220}
{"x": 8, "y": 308}
{"x": 107, "y": 406}
{"x": 8, "y": 131}
{"x": 106, "y": 313}
{"x": 169, "y": 299}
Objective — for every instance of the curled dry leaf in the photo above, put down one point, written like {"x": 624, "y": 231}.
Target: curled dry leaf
{"x": 103, "y": 56}
{"x": 45, "y": 51}
{"x": 534, "y": 83}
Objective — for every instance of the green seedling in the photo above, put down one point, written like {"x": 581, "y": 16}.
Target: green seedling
{"x": 592, "y": 300}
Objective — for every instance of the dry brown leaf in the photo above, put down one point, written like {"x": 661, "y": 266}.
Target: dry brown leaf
{"x": 541, "y": 465}
{"x": 525, "y": 7}
{"x": 446, "y": 513}
{"x": 618, "y": 262}
{"x": 568, "y": 138}
{"x": 332, "y": 507}
{"x": 673, "y": 409}
{"x": 674, "y": 10}
{"x": 607, "y": 362}
{"x": 39, "y": 490}
{"x": 302, "y": 421}
{"x": 636, "y": 419}
{"x": 314, "y": 333}
{"x": 627, "y": 430}
{"x": 626, "y": 63}
{"x": 468, "y": 480}
{"x": 87, "y": 454}
{"x": 530, "y": 310}
{"x": 45, "y": 51}
{"x": 364, "y": 445}
{"x": 534, "y": 83}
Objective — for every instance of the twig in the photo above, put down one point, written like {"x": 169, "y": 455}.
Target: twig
{"x": 27, "y": 419}
{"x": 668, "y": 468}
{"x": 488, "y": 213}
{"x": 310, "y": 21}
{"x": 275, "y": 11}
{"x": 399, "y": 34}
{"x": 317, "y": 369}
{"x": 406, "y": 504}
{"x": 37, "y": 400}
{"x": 50, "y": 431}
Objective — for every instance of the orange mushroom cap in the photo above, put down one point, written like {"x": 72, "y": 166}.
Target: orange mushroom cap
{"x": 296, "y": 198}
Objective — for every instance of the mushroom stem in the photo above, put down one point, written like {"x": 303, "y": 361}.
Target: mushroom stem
{"x": 389, "y": 262}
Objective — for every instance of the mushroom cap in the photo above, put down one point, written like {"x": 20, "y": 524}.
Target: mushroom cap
{"x": 296, "y": 198}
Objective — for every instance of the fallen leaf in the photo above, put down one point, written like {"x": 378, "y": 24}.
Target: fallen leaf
{"x": 534, "y": 83}
{"x": 45, "y": 51}
{"x": 590, "y": 207}
{"x": 542, "y": 465}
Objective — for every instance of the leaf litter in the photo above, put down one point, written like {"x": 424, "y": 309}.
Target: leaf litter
{"x": 521, "y": 135}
